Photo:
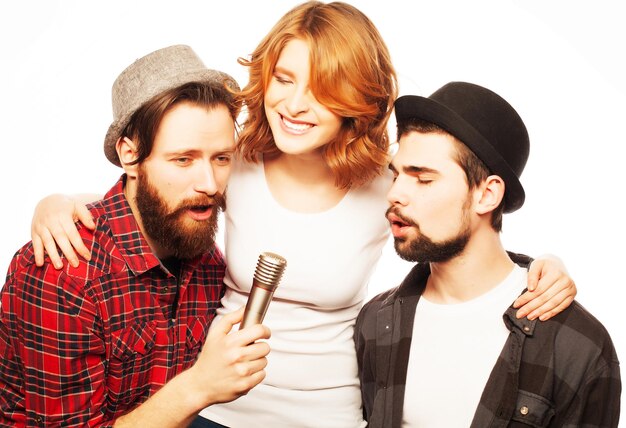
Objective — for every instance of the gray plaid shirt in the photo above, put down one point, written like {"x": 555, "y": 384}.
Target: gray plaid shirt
{"x": 560, "y": 373}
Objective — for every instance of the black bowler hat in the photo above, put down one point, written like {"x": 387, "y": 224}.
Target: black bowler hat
{"x": 484, "y": 122}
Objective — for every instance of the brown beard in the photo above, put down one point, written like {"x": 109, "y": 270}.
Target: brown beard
{"x": 169, "y": 229}
{"x": 423, "y": 249}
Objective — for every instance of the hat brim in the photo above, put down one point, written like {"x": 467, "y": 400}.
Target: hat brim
{"x": 413, "y": 106}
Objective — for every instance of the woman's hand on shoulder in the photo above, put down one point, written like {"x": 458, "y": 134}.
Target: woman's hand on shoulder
{"x": 550, "y": 289}
{"x": 53, "y": 229}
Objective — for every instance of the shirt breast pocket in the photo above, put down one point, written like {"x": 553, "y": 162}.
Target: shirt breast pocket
{"x": 197, "y": 330}
{"x": 131, "y": 361}
{"x": 532, "y": 410}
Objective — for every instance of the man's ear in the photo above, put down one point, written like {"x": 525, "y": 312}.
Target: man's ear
{"x": 127, "y": 153}
{"x": 490, "y": 194}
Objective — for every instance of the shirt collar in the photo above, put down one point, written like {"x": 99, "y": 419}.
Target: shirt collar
{"x": 124, "y": 230}
{"x": 415, "y": 283}
{"x": 524, "y": 325}
{"x": 412, "y": 285}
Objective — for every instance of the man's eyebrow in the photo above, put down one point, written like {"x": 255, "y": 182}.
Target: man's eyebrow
{"x": 182, "y": 151}
{"x": 412, "y": 170}
{"x": 417, "y": 169}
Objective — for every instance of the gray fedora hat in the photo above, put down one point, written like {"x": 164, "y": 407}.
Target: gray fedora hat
{"x": 149, "y": 76}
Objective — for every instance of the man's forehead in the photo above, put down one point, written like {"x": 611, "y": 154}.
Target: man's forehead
{"x": 189, "y": 127}
{"x": 424, "y": 147}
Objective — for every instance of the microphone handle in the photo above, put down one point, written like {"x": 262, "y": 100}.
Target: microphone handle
{"x": 258, "y": 302}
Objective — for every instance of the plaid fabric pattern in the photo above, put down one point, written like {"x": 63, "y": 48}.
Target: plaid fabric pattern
{"x": 82, "y": 346}
{"x": 560, "y": 373}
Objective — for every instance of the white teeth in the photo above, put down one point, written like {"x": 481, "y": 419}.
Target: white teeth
{"x": 299, "y": 127}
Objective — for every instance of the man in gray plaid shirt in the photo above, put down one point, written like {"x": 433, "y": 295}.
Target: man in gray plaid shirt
{"x": 461, "y": 357}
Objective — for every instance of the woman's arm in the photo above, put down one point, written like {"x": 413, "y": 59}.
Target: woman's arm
{"x": 53, "y": 224}
{"x": 550, "y": 289}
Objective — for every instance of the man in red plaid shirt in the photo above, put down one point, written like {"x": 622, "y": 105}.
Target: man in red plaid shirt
{"x": 116, "y": 340}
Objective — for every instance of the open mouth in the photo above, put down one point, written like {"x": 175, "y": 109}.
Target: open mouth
{"x": 200, "y": 209}
{"x": 399, "y": 227}
{"x": 396, "y": 221}
{"x": 200, "y": 212}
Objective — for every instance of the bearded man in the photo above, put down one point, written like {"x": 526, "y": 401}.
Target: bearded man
{"x": 445, "y": 348}
{"x": 116, "y": 340}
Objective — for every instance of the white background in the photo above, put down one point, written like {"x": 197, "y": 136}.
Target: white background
{"x": 560, "y": 63}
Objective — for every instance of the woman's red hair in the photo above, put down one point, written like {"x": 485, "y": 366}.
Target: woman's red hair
{"x": 351, "y": 75}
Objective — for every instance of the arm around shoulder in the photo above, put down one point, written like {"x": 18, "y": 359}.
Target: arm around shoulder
{"x": 53, "y": 225}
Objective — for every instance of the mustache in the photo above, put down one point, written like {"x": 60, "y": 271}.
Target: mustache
{"x": 395, "y": 211}
{"x": 218, "y": 200}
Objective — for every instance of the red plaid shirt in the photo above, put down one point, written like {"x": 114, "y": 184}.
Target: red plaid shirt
{"x": 84, "y": 346}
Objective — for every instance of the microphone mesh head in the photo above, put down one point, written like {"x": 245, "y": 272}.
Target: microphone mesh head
{"x": 270, "y": 268}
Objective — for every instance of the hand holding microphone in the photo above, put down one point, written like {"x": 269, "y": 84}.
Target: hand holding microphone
{"x": 268, "y": 273}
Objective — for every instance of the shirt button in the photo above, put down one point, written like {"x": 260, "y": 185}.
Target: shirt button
{"x": 38, "y": 420}
{"x": 524, "y": 410}
{"x": 526, "y": 328}
{"x": 165, "y": 289}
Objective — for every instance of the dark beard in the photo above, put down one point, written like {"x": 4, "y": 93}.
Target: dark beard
{"x": 424, "y": 250}
{"x": 169, "y": 229}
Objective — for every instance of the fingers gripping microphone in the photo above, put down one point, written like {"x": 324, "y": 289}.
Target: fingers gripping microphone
{"x": 269, "y": 271}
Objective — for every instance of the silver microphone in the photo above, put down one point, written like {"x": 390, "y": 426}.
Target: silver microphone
{"x": 269, "y": 271}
